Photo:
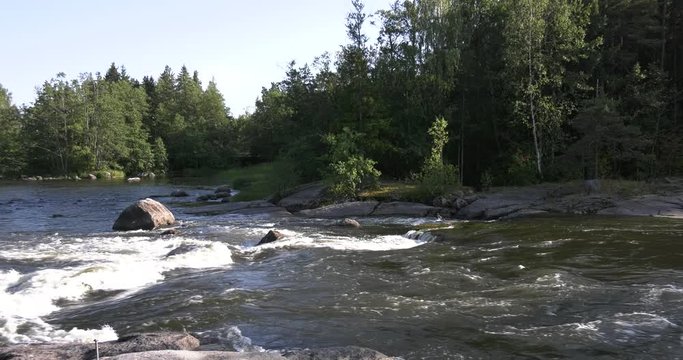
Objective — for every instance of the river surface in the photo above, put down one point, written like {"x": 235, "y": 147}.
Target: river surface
{"x": 543, "y": 288}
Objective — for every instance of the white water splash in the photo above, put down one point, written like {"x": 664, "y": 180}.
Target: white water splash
{"x": 104, "y": 264}
{"x": 295, "y": 239}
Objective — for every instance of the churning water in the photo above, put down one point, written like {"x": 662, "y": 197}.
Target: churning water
{"x": 567, "y": 287}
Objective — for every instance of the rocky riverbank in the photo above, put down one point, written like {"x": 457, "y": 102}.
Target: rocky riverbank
{"x": 664, "y": 199}
{"x": 172, "y": 346}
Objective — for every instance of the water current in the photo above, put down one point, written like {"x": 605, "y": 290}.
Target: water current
{"x": 537, "y": 288}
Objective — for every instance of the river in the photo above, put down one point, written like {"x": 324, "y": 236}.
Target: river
{"x": 538, "y": 288}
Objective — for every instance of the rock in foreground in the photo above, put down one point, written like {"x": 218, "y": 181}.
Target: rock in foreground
{"x": 128, "y": 344}
{"x": 146, "y": 214}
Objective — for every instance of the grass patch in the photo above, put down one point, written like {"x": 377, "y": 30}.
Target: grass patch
{"x": 388, "y": 191}
{"x": 259, "y": 181}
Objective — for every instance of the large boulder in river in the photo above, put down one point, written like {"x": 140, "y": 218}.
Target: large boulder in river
{"x": 273, "y": 235}
{"x": 146, "y": 214}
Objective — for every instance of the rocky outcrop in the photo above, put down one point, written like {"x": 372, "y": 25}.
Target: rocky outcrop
{"x": 343, "y": 210}
{"x": 146, "y": 214}
{"x": 307, "y": 196}
{"x": 271, "y": 236}
{"x": 129, "y": 344}
{"x": 399, "y": 208}
{"x": 649, "y": 205}
{"x": 259, "y": 207}
{"x": 502, "y": 204}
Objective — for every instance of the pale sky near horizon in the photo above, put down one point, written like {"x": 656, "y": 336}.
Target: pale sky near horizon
{"x": 243, "y": 45}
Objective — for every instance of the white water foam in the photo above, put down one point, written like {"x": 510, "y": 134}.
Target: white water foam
{"x": 377, "y": 243}
{"x": 104, "y": 264}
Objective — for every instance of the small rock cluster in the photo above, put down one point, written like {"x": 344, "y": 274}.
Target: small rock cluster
{"x": 456, "y": 200}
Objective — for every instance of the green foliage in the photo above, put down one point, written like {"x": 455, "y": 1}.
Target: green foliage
{"x": 521, "y": 170}
{"x": 437, "y": 177}
{"x": 12, "y": 158}
{"x": 350, "y": 171}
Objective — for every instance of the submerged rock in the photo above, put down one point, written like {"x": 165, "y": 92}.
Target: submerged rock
{"x": 350, "y": 223}
{"x": 146, "y": 214}
{"x": 273, "y": 235}
{"x": 223, "y": 189}
{"x": 179, "y": 193}
{"x": 183, "y": 249}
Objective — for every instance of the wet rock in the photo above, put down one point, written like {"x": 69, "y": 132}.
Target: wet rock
{"x": 350, "y": 223}
{"x": 133, "y": 179}
{"x": 205, "y": 197}
{"x": 183, "y": 249}
{"x": 223, "y": 189}
{"x": 169, "y": 232}
{"x": 92, "y": 177}
{"x": 179, "y": 193}
{"x": 222, "y": 195}
{"x": 146, "y": 214}
{"x": 129, "y": 344}
{"x": 273, "y": 235}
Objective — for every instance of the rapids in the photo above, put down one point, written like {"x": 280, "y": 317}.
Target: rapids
{"x": 562, "y": 287}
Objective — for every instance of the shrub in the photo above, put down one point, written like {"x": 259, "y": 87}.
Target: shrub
{"x": 436, "y": 177}
{"x": 352, "y": 175}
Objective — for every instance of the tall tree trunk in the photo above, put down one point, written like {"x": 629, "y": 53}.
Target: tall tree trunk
{"x": 532, "y": 109}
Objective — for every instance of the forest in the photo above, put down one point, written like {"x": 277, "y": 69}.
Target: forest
{"x": 490, "y": 92}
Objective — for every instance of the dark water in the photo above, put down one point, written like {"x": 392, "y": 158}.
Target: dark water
{"x": 544, "y": 288}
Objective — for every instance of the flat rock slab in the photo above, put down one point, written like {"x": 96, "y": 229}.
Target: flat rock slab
{"x": 342, "y": 210}
{"x": 400, "y": 208}
{"x": 496, "y": 205}
{"x": 304, "y": 197}
{"x": 649, "y": 205}
{"x": 243, "y": 208}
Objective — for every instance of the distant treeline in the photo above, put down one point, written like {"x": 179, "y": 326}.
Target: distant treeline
{"x": 530, "y": 90}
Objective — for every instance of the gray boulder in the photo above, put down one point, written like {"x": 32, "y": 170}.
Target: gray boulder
{"x": 348, "y": 209}
{"x": 271, "y": 236}
{"x": 146, "y": 214}
{"x": 350, "y": 223}
{"x": 223, "y": 189}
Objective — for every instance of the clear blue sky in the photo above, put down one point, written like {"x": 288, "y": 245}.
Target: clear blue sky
{"x": 243, "y": 44}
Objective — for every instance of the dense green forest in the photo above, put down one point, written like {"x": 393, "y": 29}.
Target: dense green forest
{"x": 530, "y": 91}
